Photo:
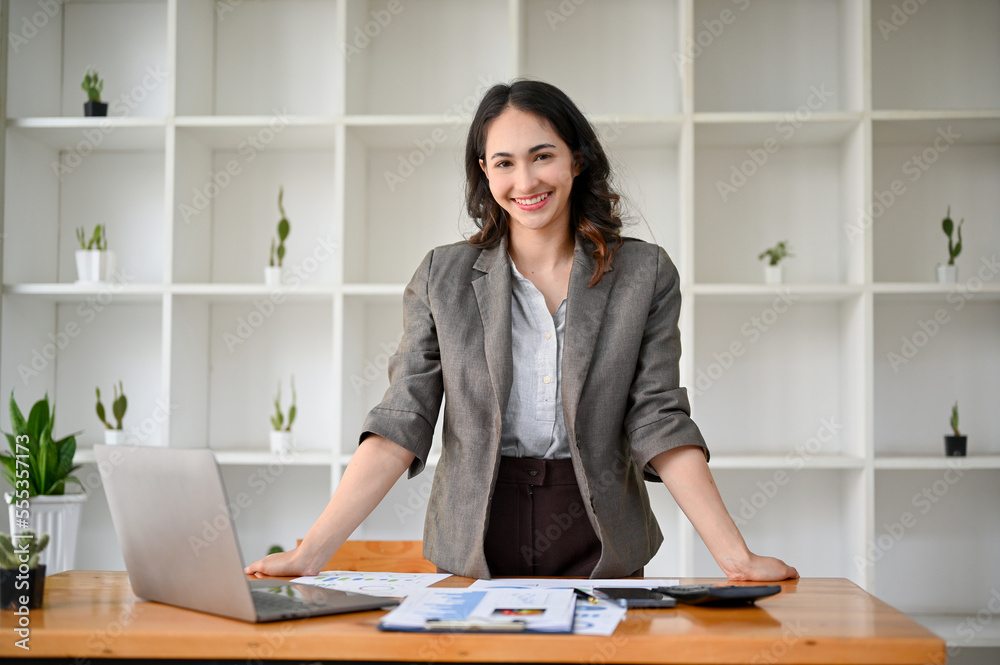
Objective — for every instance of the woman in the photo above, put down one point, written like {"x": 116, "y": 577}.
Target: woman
{"x": 556, "y": 343}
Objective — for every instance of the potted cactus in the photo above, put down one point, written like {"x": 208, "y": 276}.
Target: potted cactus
{"x": 272, "y": 273}
{"x": 113, "y": 436}
{"x": 39, "y": 467}
{"x": 281, "y": 437}
{"x": 22, "y": 578}
{"x": 954, "y": 445}
{"x": 93, "y": 85}
{"x": 773, "y": 271}
{"x": 94, "y": 262}
{"x": 948, "y": 273}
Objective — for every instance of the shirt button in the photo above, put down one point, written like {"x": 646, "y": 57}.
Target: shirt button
{"x": 548, "y": 335}
{"x": 532, "y": 472}
{"x": 547, "y": 379}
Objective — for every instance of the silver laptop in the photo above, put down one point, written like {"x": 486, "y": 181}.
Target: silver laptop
{"x": 172, "y": 517}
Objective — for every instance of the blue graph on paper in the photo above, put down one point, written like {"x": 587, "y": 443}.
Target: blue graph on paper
{"x": 452, "y": 606}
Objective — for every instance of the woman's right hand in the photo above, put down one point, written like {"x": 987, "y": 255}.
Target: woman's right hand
{"x": 282, "y": 564}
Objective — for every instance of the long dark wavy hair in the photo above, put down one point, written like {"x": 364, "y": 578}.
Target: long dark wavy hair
{"x": 595, "y": 210}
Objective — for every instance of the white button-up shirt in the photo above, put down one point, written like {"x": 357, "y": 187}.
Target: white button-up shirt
{"x": 534, "y": 425}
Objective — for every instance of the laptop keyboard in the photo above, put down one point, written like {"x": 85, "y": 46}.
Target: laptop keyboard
{"x": 273, "y": 603}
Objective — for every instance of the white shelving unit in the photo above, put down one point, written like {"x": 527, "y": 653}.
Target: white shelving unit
{"x": 842, "y": 126}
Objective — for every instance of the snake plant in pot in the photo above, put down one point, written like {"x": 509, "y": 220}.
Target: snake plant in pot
{"x": 113, "y": 436}
{"x": 39, "y": 468}
{"x": 22, "y": 578}
{"x": 272, "y": 273}
{"x": 948, "y": 273}
{"x": 281, "y": 436}
{"x": 954, "y": 445}
{"x": 94, "y": 261}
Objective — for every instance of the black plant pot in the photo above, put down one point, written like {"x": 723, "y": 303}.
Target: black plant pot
{"x": 31, "y": 586}
{"x": 93, "y": 109}
{"x": 954, "y": 446}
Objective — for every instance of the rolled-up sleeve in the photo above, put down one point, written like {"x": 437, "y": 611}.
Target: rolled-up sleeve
{"x": 659, "y": 414}
{"x": 410, "y": 407}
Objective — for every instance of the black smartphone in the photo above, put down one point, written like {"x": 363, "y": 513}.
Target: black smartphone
{"x": 632, "y": 597}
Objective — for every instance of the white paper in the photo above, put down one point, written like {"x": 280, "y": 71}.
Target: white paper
{"x": 385, "y": 585}
{"x": 600, "y": 618}
{"x": 485, "y": 606}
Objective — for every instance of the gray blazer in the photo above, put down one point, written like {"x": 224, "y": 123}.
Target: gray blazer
{"x": 621, "y": 398}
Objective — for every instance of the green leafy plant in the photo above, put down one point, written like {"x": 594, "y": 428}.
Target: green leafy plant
{"x": 48, "y": 462}
{"x": 776, "y": 253}
{"x": 283, "y": 229}
{"x": 954, "y": 420}
{"x": 97, "y": 241}
{"x": 948, "y": 226}
{"x": 10, "y": 554}
{"x": 118, "y": 406}
{"x": 275, "y": 549}
{"x": 278, "y": 419}
{"x": 92, "y": 84}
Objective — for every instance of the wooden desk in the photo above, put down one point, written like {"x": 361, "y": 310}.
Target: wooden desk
{"x": 95, "y": 615}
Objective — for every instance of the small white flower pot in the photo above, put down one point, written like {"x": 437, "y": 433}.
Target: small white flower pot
{"x": 94, "y": 266}
{"x": 281, "y": 442}
{"x": 947, "y": 274}
{"x": 272, "y": 276}
{"x": 114, "y": 437}
{"x": 773, "y": 274}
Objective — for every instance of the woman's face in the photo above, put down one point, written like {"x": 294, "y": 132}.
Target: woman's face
{"x": 530, "y": 170}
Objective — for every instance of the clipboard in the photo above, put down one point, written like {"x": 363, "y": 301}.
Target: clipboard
{"x": 451, "y": 610}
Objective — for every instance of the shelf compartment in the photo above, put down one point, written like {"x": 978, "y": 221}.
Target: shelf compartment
{"x": 928, "y": 354}
{"x": 761, "y": 189}
{"x": 648, "y": 179}
{"x": 126, "y": 42}
{"x": 411, "y": 173}
{"x": 50, "y": 195}
{"x": 639, "y": 40}
{"x": 763, "y": 503}
{"x": 65, "y": 349}
{"x": 922, "y": 522}
{"x": 920, "y": 167}
{"x": 778, "y": 55}
{"x": 234, "y": 354}
{"x": 257, "y": 496}
{"x": 752, "y": 363}
{"x": 954, "y": 46}
{"x": 446, "y": 74}
{"x": 226, "y": 209}
{"x": 258, "y": 58}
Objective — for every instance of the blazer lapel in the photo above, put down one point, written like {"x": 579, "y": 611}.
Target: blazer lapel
{"x": 493, "y": 296}
{"x": 584, "y": 316}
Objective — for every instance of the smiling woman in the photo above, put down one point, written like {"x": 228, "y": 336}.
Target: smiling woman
{"x": 556, "y": 343}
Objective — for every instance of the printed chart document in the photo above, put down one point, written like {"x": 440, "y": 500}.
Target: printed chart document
{"x": 386, "y": 585}
{"x": 484, "y": 610}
